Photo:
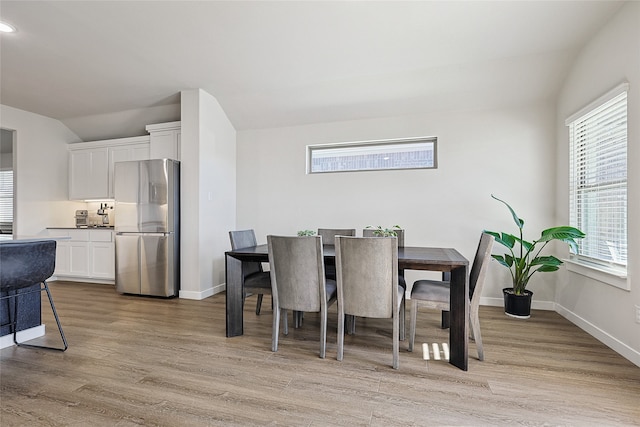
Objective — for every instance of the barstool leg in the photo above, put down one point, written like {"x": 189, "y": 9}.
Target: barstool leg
{"x": 55, "y": 314}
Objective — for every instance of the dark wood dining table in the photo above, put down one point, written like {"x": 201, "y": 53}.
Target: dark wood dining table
{"x": 409, "y": 258}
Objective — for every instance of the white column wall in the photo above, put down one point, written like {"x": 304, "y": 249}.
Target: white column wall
{"x": 208, "y": 193}
{"x": 508, "y": 152}
{"x": 42, "y": 171}
{"x": 611, "y": 57}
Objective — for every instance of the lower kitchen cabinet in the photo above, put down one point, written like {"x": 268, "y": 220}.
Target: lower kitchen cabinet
{"x": 88, "y": 254}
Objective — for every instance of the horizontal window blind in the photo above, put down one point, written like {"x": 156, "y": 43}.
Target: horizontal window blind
{"x": 410, "y": 153}
{"x": 598, "y": 180}
{"x": 6, "y": 196}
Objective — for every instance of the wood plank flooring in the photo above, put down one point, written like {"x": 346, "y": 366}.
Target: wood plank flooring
{"x": 146, "y": 361}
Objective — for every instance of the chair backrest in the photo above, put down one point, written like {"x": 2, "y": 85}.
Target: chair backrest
{"x": 329, "y": 234}
{"x": 480, "y": 267}
{"x": 23, "y": 264}
{"x": 369, "y": 232}
{"x": 367, "y": 273}
{"x": 297, "y": 272}
{"x": 245, "y": 239}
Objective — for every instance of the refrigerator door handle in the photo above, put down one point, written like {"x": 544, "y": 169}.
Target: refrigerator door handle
{"x": 131, "y": 233}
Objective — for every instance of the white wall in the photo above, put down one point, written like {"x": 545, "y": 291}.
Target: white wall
{"x": 208, "y": 195}
{"x": 611, "y": 57}
{"x": 42, "y": 172}
{"x": 507, "y": 152}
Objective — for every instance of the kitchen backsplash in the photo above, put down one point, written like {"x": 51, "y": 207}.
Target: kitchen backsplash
{"x": 96, "y": 219}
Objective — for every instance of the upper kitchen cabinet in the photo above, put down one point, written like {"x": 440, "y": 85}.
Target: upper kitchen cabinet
{"x": 91, "y": 165}
{"x": 165, "y": 140}
{"x": 88, "y": 173}
{"x": 135, "y": 149}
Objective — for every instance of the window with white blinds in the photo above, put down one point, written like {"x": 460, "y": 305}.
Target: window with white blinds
{"x": 6, "y": 201}
{"x": 598, "y": 179}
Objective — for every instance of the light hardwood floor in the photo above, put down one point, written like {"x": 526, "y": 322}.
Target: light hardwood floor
{"x": 146, "y": 361}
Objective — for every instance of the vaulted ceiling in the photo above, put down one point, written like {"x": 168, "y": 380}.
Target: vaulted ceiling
{"x": 285, "y": 63}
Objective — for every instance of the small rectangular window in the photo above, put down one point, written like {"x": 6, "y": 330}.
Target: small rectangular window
{"x": 598, "y": 179}
{"x": 413, "y": 153}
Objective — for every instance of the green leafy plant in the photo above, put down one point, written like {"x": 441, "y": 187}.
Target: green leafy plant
{"x": 306, "y": 233}
{"x": 524, "y": 258}
{"x": 385, "y": 232}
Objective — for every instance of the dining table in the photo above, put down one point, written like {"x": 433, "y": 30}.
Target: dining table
{"x": 446, "y": 260}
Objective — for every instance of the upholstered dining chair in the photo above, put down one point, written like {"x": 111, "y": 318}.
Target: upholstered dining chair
{"x": 328, "y": 237}
{"x": 370, "y": 232}
{"x": 436, "y": 294}
{"x": 23, "y": 266}
{"x": 299, "y": 283}
{"x": 255, "y": 279}
{"x": 367, "y": 272}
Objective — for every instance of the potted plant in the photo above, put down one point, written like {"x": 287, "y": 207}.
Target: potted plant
{"x": 306, "y": 233}
{"x": 385, "y": 232}
{"x": 524, "y": 259}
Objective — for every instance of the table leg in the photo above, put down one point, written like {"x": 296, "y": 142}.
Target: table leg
{"x": 459, "y": 315}
{"x": 233, "y": 297}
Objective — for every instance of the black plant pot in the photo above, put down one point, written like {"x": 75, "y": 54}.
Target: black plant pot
{"x": 518, "y": 306}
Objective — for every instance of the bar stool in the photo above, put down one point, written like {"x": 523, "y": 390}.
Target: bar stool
{"x": 23, "y": 265}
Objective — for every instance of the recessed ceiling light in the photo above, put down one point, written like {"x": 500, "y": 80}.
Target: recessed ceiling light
{"x": 7, "y": 28}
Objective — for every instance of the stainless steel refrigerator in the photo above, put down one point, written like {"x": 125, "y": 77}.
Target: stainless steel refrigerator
{"x": 147, "y": 226}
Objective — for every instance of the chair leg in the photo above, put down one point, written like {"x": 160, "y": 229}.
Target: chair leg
{"x": 340, "y": 351}
{"x": 323, "y": 332}
{"x": 285, "y": 315}
{"x": 396, "y": 341}
{"x": 475, "y": 328}
{"x": 258, "y": 304}
{"x": 446, "y": 319}
{"x": 351, "y": 324}
{"x": 275, "y": 330}
{"x": 55, "y": 315}
{"x": 402, "y": 319}
{"x": 412, "y": 323}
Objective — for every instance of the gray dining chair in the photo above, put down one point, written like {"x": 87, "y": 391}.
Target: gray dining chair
{"x": 436, "y": 294}
{"x": 369, "y": 232}
{"x": 367, "y": 272}
{"x": 25, "y": 268}
{"x": 255, "y": 279}
{"x": 328, "y": 236}
{"x": 299, "y": 283}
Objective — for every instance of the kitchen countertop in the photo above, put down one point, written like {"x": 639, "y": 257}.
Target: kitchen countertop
{"x": 81, "y": 228}
{"x": 8, "y": 238}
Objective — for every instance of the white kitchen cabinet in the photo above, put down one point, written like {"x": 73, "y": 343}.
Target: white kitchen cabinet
{"x": 165, "y": 139}
{"x": 101, "y": 255}
{"x": 101, "y": 261}
{"x": 89, "y": 173}
{"x": 88, "y": 254}
{"x": 91, "y": 165}
{"x": 125, "y": 153}
{"x": 78, "y": 259}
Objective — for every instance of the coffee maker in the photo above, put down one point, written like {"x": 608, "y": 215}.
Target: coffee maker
{"x": 104, "y": 214}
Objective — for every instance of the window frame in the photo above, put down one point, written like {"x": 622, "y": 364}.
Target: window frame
{"x": 391, "y": 143}
{"x": 606, "y": 271}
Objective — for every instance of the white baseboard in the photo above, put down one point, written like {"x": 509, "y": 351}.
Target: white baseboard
{"x": 202, "y": 294}
{"x": 616, "y": 345}
{"x": 80, "y": 279}
{"x": 25, "y": 335}
{"x": 536, "y": 305}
